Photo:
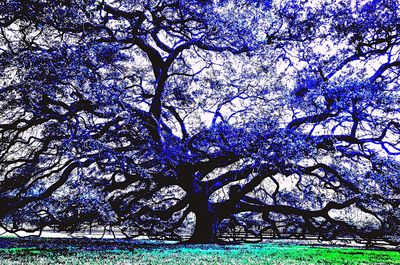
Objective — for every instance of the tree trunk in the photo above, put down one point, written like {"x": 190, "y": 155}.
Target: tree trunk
{"x": 205, "y": 230}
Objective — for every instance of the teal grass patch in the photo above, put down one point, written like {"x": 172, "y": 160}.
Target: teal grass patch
{"x": 199, "y": 254}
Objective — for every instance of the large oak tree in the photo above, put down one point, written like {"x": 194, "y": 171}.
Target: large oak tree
{"x": 172, "y": 114}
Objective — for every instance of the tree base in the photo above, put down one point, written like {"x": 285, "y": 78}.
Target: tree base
{"x": 194, "y": 241}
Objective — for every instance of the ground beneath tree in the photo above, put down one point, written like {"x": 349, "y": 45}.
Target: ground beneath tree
{"x": 106, "y": 251}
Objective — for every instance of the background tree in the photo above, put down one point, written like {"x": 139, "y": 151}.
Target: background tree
{"x": 153, "y": 114}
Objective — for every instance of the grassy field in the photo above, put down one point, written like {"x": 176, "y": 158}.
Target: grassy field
{"x": 73, "y": 253}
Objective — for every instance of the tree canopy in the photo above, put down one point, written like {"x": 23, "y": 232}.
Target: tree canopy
{"x": 169, "y": 114}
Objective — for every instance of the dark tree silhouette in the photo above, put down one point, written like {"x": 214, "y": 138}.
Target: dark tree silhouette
{"x": 171, "y": 114}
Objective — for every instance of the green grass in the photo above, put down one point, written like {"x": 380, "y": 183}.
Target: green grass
{"x": 199, "y": 254}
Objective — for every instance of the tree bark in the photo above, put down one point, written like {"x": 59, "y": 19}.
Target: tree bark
{"x": 205, "y": 230}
